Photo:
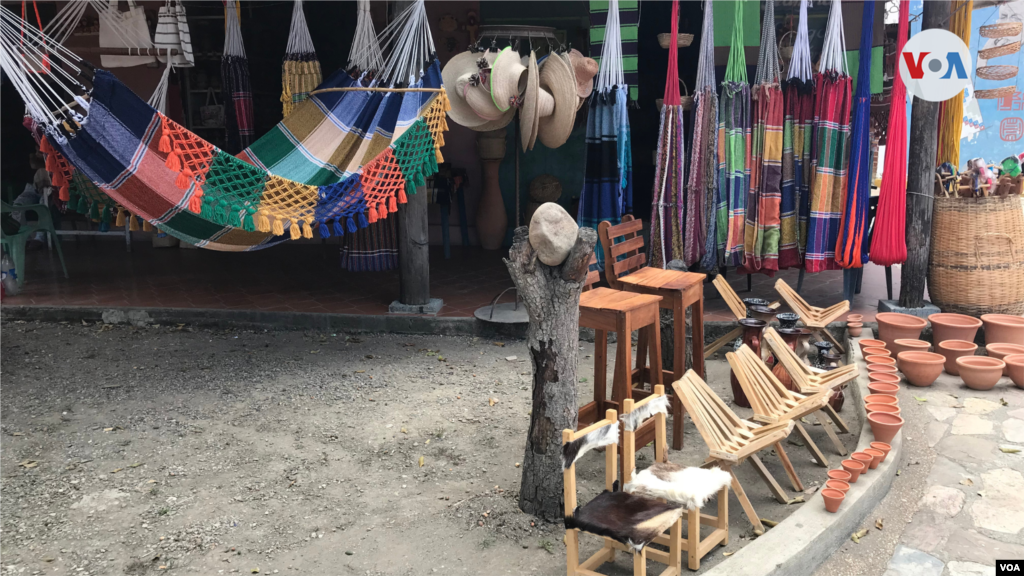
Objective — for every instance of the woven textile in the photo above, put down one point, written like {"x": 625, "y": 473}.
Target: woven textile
{"x": 372, "y": 249}
{"x": 300, "y": 75}
{"x": 762, "y": 226}
{"x": 238, "y": 98}
{"x": 734, "y": 127}
{"x": 629, "y": 22}
{"x": 667, "y": 204}
{"x": 831, "y": 136}
{"x": 700, "y": 188}
{"x": 796, "y": 171}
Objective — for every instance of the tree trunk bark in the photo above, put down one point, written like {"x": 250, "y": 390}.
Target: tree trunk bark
{"x": 414, "y": 250}
{"x": 552, "y": 297}
{"x": 924, "y": 129}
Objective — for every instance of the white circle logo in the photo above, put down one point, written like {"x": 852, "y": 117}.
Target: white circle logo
{"x": 935, "y": 65}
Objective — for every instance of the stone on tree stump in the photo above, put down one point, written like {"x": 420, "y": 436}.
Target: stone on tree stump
{"x": 552, "y": 233}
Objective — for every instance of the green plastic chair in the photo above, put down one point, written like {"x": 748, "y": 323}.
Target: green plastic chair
{"x": 15, "y": 243}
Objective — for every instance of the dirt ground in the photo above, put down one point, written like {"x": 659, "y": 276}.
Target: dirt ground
{"x": 168, "y": 450}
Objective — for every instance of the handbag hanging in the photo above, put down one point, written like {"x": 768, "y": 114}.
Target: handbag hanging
{"x": 124, "y": 30}
{"x": 170, "y": 36}
{"x": 212, "y": 114}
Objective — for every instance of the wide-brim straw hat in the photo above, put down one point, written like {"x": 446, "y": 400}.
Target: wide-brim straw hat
{"x": 454, "y": 76}
{"x": 556, "y": 76}
{"x": 508, "y": 79}
{"x": 545, "y": 108}
{"x": 528, "y": 112}
{"x": 585, "y": 69}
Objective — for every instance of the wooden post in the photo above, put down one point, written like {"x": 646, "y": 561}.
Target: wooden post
{"x": 924, "y": 132}
{"x": 414, "y": 250}
{"x": 551, "y": 295}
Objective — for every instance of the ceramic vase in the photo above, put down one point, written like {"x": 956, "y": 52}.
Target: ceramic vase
{"x": 491, "y": 218}
{"x": 751, "y": 337}
{"x": 791, "y": 336}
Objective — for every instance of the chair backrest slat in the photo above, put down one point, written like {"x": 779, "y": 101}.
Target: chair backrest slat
{"x": 628, "y": 235}
{"x": 593, "y": 276}
{"x": 732, "y": 300}
{"x": 719, "y": 426}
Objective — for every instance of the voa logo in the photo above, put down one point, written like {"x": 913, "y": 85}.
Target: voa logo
{"x": 935, "y": 65}
{"x": 1007, "y": 567}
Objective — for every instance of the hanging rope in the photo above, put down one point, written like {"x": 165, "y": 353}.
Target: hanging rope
{"x": 364, "y": 55}
{"x": 888, "y": 240}
{"x": 798, "y": 96}
{"x": 667, "y": 205}
{"x": 234, "y": 68}
{"x": 410, "y": 46}
{"x": 300, "y": 71}
{"x": 951, "y": 112}
{"x": 700, "y": 193}
{"x": 734, "y": 127}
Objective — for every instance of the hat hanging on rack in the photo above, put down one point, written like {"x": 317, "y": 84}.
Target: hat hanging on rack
{"x": 508, "y": 80}
{"x": 585, "y": 70}
{"x": 528, "y": 114}
{"x": 556, "y": 77}
{"x": 466, "y": 76}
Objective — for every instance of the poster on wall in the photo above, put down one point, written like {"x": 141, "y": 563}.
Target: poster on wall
{"x": 993, "y": 128}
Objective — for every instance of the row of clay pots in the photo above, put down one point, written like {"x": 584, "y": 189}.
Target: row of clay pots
{"x": 882, "y": 381}
{"x": 999, "y": 328}
{"x": 855, "y": 324}
{"x": 957, "y": 358}
{"x": 839, "y": 481}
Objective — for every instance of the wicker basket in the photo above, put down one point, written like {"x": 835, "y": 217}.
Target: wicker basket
{"x": 1001, "y": 92}
{"x": 1000, "y": 30}
{"x": 684, "y": 40}
{"x": 976, "y": 265}
{"x": 1004, "y": 50}
{"x": 1000, "y": 72}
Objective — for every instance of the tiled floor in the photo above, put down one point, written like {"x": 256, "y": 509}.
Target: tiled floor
{"x": 307, "y": 278}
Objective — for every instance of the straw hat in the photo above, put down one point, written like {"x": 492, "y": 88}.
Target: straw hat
{"x": 556, "y": 76}
{"x": 585, "y": 70}
{"x": 508, "y": 79}
{"x": 528, "y": 112}
{"x": 457, "y": 77}
{"x": 545, "y": 108}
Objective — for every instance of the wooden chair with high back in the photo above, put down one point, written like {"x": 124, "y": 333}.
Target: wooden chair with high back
{"x": 623, "y": 267}
{"x": 732, "y": 440}
{"x": 738, "y": 309}
{"x": 606, "y": 310}
{"x": 689, "y": 488}
{"x": 626, "y": 522}
{"x": 817, "y": 319}
{"x": 772, "y": 402}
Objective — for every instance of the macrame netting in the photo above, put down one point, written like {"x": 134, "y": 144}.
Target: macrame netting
{"x": 734, "y": 127}
{"x": 667, "y": 205}
{"x": 300, "y": 71}
{"x": 700, "y": 189}
{"x": 798, "y": 97}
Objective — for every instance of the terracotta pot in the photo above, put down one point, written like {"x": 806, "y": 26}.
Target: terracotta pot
{"x": 884, "y": 426}
{"x": 876, "y": 351}
{"x": 881, "y": 399}
{"x": 884, "y": 377}
{"x": 838, "y": 474}
{"x": 1001, "y": 351}
{"x": 854, "y": 468}
{"x": 863, "y": 458}
{"x": 869, "y": 343}
{"x": 876, "y": 457}
{"x": 887, "y": 408}
{"x": 881, "y": 369}
{"x": 838, "y": 485}
{"x": 751, "y": 337}
{"x": 1003, "y": 328}
{"x": 854, "y": 328}
{"x": 855, "y": 318}
{"x": 904, "y": 344}
{"x": 883, "y": 447}
{"x": 832, "y": 498}
{"x": 880, "y": 360}
{"x": 920, "y": 368}
{"x": 837, "y": 399}
{"x": 953, "y": 349}
{"x": 1015, "y": 368}
{"x": 953, "y": 327}
{"x": 980, "y": 372}
{"x": 792, "y": 337}
{"x": 892, "y": 325}
{"x": 882, "y": 388}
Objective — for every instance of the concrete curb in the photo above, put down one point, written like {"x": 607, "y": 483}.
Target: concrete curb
{"x": 800, "y": 543}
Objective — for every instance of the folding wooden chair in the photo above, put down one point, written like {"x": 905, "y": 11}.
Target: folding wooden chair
{"x": 731, "y": 440}
{"x": 772, "y": 402}
{"x": 689, "y": 488}
{"x": 626, "y": 522}
{"x": 739, "y": 310}
{"x": 817, "y": 319}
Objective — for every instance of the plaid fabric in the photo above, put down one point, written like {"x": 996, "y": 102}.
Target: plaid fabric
{"x": 796, "y": 172}
{"x": 629, "y": 22}
{"x": 761, "y": 232}
{"x": 238, "y": 100}
{"x": 372, "y": 249}
{"x": 831, "y": 135}
{"x": 703, "y": 170}
{"x": 733, "y": 171}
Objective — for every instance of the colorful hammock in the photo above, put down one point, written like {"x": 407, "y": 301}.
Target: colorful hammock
{"x": 851, "y": 249}
{"x": 831, "y": 135}
{"x": 761, "y": 232}
{"x": 700, "y": 189}
{"x": 300, "y": 71}
{"x": 733, "y": 151}
{"x": 234, "y": 69}
{"x": 669, "y": 179}
{"x": 796, "y": 149}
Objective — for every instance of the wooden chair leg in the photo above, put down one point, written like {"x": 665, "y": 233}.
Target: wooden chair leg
{"x": 718, "y": 344}
{"x": 836, "y": 419}
{"x": 697, "y": 320}
{"x": 642, "y": 344}
{"x": 788, "y": 466}
{"x": 675, "y": 545}
{"x": 600, "y": 369}
{"x": 572, "y": 551}
{"x": 765, "y": 475}
{"x": 748, "y": 508}
{"x": 816, "y": 452}
{"x": 693, "y": 539}
{"x": 655, "y": 371}
{"x": 640, "y": 563}
{"x": 678, "y": 369}
{"x": 723, "y": 513}
{"x": 840, "y": 448}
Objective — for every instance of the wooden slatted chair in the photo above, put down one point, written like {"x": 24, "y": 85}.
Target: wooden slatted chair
{"x": 690, "y": 488}
{"x": 732, "y": 440}
{"x": 817, "y": 319}
{"x": 772, "y": 402}
{"x": 738, "y": 309}
{"x": 626, "y": 522}
{"x": 624, "y": 270}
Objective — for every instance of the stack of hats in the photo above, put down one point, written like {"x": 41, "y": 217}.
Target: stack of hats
{"x": 486, "y": 89}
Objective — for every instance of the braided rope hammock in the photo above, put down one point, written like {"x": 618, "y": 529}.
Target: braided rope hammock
{"x": 951, "y": 112}
{"x": 667, "y": 219}
{"x": 341, "y": 161}
{"x": 796, "y": 149}
{"x": 700, "y": 195}
{"x": 733, "y": 150}
{"x": 300, "y": 71}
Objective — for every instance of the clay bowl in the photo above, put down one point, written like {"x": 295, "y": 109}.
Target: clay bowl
{"x": 833, "y": 498}
{"x": 880, "y": 360}
{"x": 855, "y": 469}
{"x": 869, "y": 343}
{"x": 883, "y": 447}
{"x": 876, "y": 351}
{"x": 883, "y": 388}
{"x": 863, "y": 458}
{"x": 881, "y": 399}
{"x": 920, "y": 368}
{"x": 838, "y": 474}
{"x": 884, "y": 377}
{"x": 892, "y": 326}
{"x": 980, "y": 372}
{"x": 904, "y": 344}
{"x": 1003, "y": 328}
{"x": 854, "y": 328}
{"x": 953, "y": 349}
{"x": 787, "y": 319}
{"x": 884, "y": 426}
{"x": 876, "y": 457}
{"x": 855, "y": 318}
{"x": 1015, "y": 369}
{"x": 881, "y": 369}
{"x": 838, "y": 485}
{"x": 887, "y": 408}
{"x": 953, "y": 327}
{"x": 1001, "y": 351}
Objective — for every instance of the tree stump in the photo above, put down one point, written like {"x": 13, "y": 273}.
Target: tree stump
{"x": 551, "y": 295}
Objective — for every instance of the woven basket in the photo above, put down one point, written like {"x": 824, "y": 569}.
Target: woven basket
{"x": 686, "y": 100}
{"x": 1001, "y": 92}
{"x": 1000, "y": 30}
{"x": 976, "y": 265}
{"x": 1000, "y": 72}
{"x": 1004, "y": 50}
{"x": 684, "y": 40}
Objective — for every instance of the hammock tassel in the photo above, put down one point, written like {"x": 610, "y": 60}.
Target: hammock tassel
{"x": 120, "y": 221}
{"x": 402, "y": 198}
{"x": 295, "y": 230}
{"x": 65, "y": 192}
{"x": 352, "y": 223}
{"x": 392, "y": 204}
{"x": 382, "y": 211}
{"x": 325, "y": 232}
{"x": 262, "y": 222}
{"x": 165, "y": 139}
{"x": 133, "y": 225}
{"x": 339, "y": 230}
{"x": 362, "y": 221}
{"x": 307, "y": 231}
{"x": 277, "y": 228}
{"x": 173, "y": 161}
{"x": 182, "y": 181}
{"x": 146, "y": 226}
{"x": 372, "y": 212}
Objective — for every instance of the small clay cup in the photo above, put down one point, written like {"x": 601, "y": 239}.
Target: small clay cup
{"x": 885, "y": 426}
{"x": 888, "y": 408}
{"x": 854, "y": 328}
{"x": 953, "y": 349}
{"x": 863, "y": 458}
{"x": 980, "y": 372}
{"x": 855, "y": 318}
{"x": 885, "y": 448}
{"x": 920, "y": 368}
{"x": 838, "y": 474}
{"x": 1015, "y": 368}
{"x": 904, "y": 344}
{"x": 833, "y": 498}
{"x": 869, "y": 343}
{"x": 883, "y": 388}
{"x": 881, "y": 368}
{"x": 884, "y": 377}
{"x": 880, "y": 360}
{"x": 855, "y": 469}
{"x": 876, "y": 457}
{"x": 881, "y": 399}
{"x": 1001, "y": 351}
{"x": 838, "y": 485}
{"x": 877, "y": 351}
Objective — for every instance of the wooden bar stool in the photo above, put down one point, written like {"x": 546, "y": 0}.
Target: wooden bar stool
{"x": 606, "y": 310}
{"x": 623, "y": 262}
